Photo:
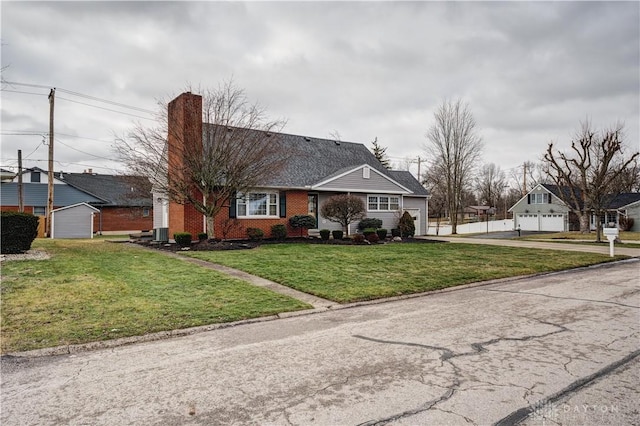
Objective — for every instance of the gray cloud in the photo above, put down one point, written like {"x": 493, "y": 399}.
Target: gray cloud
{"x": 529, "y": 70}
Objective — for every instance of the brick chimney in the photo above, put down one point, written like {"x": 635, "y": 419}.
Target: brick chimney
{"x": 184, "y": 138}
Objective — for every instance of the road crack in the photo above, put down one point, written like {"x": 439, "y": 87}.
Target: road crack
{"x": 448, "y": 356}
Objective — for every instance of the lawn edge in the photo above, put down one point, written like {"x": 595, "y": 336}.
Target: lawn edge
{"x": 164, "y": 335}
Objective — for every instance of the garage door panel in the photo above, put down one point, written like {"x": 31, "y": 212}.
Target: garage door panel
{"x": 528, "y": 222}
{"x": 552, "y": 222}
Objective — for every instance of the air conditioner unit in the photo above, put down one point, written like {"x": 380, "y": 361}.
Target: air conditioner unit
{"x": 161, "y": 234}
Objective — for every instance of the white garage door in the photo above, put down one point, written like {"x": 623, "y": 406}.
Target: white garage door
{"x": 552, "y": 222}
{"x": 528, "y": 222}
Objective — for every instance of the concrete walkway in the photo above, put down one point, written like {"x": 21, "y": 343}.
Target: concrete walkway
{"x": 585, "y": 248}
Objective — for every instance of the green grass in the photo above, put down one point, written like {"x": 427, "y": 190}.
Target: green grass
{"x": 92, "y": 290}
{"x": 354, "y": 273}
{"x": 576, "y": 235}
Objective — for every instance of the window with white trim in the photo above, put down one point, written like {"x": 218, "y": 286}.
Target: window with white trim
{"x": 39, "y": 211}
{"x": 383, "y": 203}
{"x": 257, "y": 204}
{"x": 539, "y": 198}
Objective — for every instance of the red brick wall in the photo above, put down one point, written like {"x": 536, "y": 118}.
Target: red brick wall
{"x": 237, "y": 228}
{"x": 123, "y": 219}
{"x": 185, "y": 135}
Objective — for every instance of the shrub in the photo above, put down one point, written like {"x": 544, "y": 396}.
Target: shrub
{"x": 372, "y": 238}
{"x": 370, "y": 222}
{"x": 183, "y": 239}
{"x": 18, "y": 232}
{"x": 406, "y": 225}
{"x": 324, "y": 234}
{"x": 255, "y": 234}
{"x": 337, "y": 235}
{"x": 382, "y": 233}
{"x": 202, "y": 236}
{"x": 302, "y": 221}
{"x": 279, "y": 232}
{"x": 395, "y": 232}
{"x": 368, "y": 231}
{"x": 626, "y": 223}
{"x": 358, "y": 239}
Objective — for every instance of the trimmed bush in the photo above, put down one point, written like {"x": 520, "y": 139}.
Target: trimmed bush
{"x": 370, "y": 222}
{"x": 358, "y": 239}
{"x": 406, "y": 225}
{"x": 368, "y": 231}
{"x": 337, "y": 235}
{"x": 324, "y": 234}
{"x": 255, "y": 234}
{"x": 202, "y": 236}
{"x": 183, "y": 239}
{"x": 302, "y": 221}
{"x": 279, "y": 232}
{"x": 18, "y": 232}
{"x": 395, "y": 232}
{"x": 382, "y": 233}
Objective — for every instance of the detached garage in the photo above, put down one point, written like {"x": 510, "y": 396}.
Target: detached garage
{"x": 541, "y": 210}
{"x": 541, "y": 222}
{"x": 75, "y": 221}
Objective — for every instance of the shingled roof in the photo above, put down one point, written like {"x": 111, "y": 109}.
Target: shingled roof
{"x": 616, "y": 202}
{"x": 314, "y": 160}
{"x": 122, "y": 191}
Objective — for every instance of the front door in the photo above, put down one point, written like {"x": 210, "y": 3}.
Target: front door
{"x": 313, "y": 207}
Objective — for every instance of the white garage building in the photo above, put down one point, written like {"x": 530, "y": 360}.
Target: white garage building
{"x": 541, "y": 210}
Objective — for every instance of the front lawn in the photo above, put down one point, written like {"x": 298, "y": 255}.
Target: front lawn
{"x": 354, "y": 273}
{"x": 628, "y": 239}
{"x": 93, "y": 290}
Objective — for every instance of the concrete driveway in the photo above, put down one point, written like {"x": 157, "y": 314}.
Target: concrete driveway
{"x": 473, "y": 356}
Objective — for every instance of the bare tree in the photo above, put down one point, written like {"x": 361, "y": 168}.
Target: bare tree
{"x": 343, "y": 209}
{"x": 586, "y": 174}
{"x": 434, "y": 182}
{"x": 490, "y": 184}
{"x": 380, "y": 153}
{"x": 235, "y": 150}
{"x": 455, "y": 148}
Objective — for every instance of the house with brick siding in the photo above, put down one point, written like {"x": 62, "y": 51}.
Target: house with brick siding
{"x": 318, "y": 169}
{"x": 123, "y": 208}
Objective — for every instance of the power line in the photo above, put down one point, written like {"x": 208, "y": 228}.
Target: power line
{"x": 62, "y": 163}
{"x": 84, "y": 152}
{"x": 106, "y": 109}
{"x": 20, "y": 91}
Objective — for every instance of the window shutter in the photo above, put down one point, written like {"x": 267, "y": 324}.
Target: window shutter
{"x": 528, "y": 198}
{"x": 232, "y": 207}
{"x": 283, "y": 204}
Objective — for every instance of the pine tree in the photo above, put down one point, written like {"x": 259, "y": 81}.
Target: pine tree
{"x": 380, "y": 153}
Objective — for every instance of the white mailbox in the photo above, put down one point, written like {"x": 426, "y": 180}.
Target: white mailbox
{"x": 612, "y": 235}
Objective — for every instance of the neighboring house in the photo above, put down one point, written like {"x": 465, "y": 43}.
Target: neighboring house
{"x": 127, "y": 205}
{"x": 543, "y": 210}
{"x": 121, "y": 208}
{"x": 319, "y": 169}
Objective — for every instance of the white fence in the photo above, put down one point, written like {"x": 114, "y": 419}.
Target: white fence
{"x": 473, "y": 228}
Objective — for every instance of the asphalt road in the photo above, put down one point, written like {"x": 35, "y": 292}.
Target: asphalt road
{"x": 524, "y": 349}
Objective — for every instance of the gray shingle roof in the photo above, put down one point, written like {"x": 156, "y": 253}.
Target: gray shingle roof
{"x": 622, "y": 200}
{"x": 36, "y": 194}
{"x": 314, "y": 160}
{"x": 116, "y": 190}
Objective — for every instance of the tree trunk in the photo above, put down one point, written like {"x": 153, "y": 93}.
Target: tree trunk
{"x": 210, "y": 227}
{"x": 584, "y": 223}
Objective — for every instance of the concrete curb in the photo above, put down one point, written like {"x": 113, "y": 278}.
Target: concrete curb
{"x": 162, "y": 335}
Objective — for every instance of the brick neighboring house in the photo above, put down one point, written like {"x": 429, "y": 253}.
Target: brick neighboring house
{"x": 122, "y": 209}
{"x": 127, "y": 207}
{"x": 318, "y": 169}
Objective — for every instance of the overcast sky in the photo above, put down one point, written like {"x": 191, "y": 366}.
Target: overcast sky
{"x": 530, "y": 71}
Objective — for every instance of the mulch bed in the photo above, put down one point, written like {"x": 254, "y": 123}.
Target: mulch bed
{"x": 213, "y": 245}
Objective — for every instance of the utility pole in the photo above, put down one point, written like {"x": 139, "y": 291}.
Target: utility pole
{"x": 52, "y": 98}
{"x": 419, "y": 170}
{"x": 524, "y": 185}
{"x": 20, "y": 191}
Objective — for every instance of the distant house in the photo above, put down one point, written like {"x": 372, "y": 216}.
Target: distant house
{"x": 543, "y": 210}
{"x": 319, "y": 169}
{"x": 121, "y": 206}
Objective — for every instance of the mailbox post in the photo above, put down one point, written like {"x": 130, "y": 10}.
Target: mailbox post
{"x": 612, "y": 235}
